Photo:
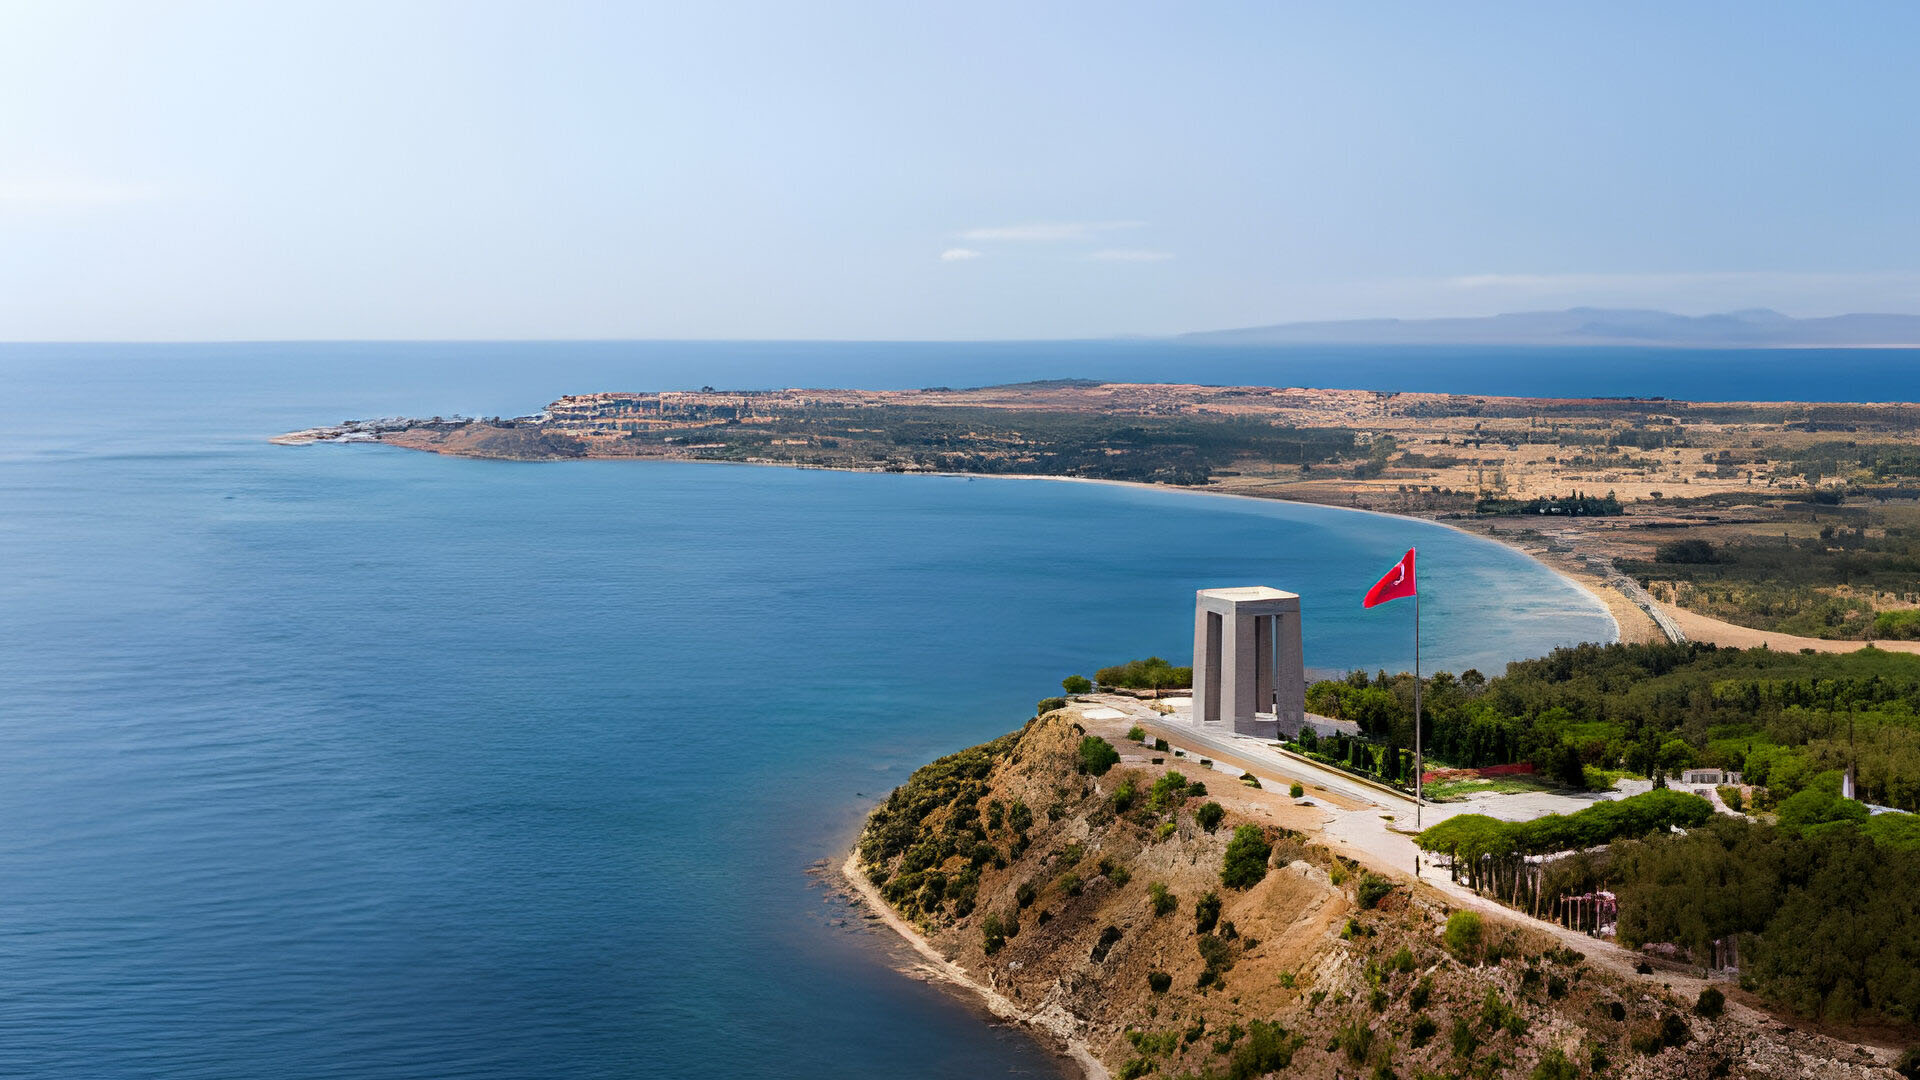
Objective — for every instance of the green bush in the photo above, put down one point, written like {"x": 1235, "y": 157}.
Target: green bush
{"x": 1137, "y": 733}
{"x": 1210, "y": 815}
{"x": 1162, "y": 900}
{"x": 1123, "y": 797}
{"x": 1049, "y": 704}
{"x": 1159, "y": 981}
{"x": 1097, "y": 755}
{"x": 1297, "y": 791}
{"x": 1267, "y": 1049}
{"x": 1355, "y": 1038}
{"x": 1197, "y": 790}
{"x": 1711, "y": 1003}
{"x": 1152, "y": 673}
{"x": 1464, "y": 933}
{"x": 1168, "y": 791}
{"x": 1246, "y": 859}
{"x": 1674, "y": 1030}
{"x": 1206, "y": 913}
{"x": 1464, "y": 1042}
{"x": 1401, "y": 961}
{"x": 1071, "y": 884}
{"x": 1025, "y": 894}
{"x": 1424, "y": 1029}
{"x": 1077, "y": 684}
{"x": 993, "y": 935}
{"x": 1909, "y": 1064}
{"x": 1555, "y": 1066}
{"x": 1373, "y": 889}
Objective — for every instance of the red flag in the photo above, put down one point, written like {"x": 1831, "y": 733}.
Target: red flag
{"x": 1397, "y": 583}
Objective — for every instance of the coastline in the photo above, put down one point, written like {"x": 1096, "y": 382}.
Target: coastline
{"x": 1592, "y": 586}
{"x": 1055, "y": 1027}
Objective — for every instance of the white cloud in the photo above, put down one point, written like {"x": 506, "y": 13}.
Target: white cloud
{"x": 958, "y": 254}
{"x": 1049, "y": 231}
{"x": 1130, "y": 255}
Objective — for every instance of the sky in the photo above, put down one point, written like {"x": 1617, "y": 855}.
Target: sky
{"x": 470, "y": 170}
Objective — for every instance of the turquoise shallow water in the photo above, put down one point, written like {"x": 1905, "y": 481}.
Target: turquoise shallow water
{"x": 347, "y": 761}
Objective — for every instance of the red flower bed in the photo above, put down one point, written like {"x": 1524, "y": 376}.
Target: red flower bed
{"x": 1436, "y": 775}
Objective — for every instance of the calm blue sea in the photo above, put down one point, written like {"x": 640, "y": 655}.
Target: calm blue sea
{"x": 348, "y": 761}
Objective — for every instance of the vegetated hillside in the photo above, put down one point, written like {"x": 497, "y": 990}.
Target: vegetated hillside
{"x": 1580, "y": 713}
{"x": 1185, "y": 937}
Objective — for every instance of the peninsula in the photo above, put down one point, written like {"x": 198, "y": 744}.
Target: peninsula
{"x": 1740, "y": 523}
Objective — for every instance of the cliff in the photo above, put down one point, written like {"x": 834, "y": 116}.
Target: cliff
{"x": 1175, "y": 931}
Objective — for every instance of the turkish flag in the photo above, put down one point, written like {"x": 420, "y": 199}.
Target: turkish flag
{"x": 1397, "y": 583}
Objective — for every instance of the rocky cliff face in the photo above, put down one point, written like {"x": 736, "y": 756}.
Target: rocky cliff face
{"x": 1097, "y": 903}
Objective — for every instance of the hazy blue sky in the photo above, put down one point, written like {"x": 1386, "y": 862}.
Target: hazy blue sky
{"x": 702, "y": 169}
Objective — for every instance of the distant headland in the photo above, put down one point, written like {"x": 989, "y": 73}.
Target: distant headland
{"x": 1754, "y": 328}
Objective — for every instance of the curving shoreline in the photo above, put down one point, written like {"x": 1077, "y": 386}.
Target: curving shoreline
{"x": 1055, "y": 1027}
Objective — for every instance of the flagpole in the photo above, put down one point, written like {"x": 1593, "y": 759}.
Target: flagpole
{"x": 1419, "y": 768}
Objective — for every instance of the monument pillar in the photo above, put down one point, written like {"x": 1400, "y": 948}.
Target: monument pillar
{"x": 1248, "y": 669}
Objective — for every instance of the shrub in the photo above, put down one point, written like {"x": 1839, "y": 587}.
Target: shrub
{"x": 1401, "y": 961}
{"x": 1049, "y": 704}
{"x": 1137, "y": 733}
{"x": 1165, "y": 830}
{"x": 1123, "y": 797}
{"x": 1206, "y": 912}
{"x": 1097, "y": 755}
{"x": 1356, "y": 1040}
{"x": 1645, "y": 1041}
{"x": 1209, "y": 815}
{"x": 1424, "y": 1029}
{"x": 1555, "y": 1066}
{"x": 1246, "y": 859}
{"x": 1373, "y": 889}
{"x": 1197, "y": 790}
{"x": 1159, "y": 981}
{"x": 1160, "y": 745}
{"x": 1019, "y": 818}
{"x": 1152, "y": 673}
{"x": 1169, "y": 790}
{"x": 1464, "y": 1042}
{"x": 1162, "y": 900}
{"x": 1218, "y": 955}
{"x": 1464, "y": 933}
{"x": 1077, "y": 684}
{"x": 1297, "y": 791}
{"x": 1711, "y": 1003}
{"x": 1024, "y": 895}
{"x": 1071, "y": 884}
{"x": 993, "y": 935}
{"x": 1673, "y": 1030}
{"x": 1422, "y": 990}
{"x": 1250, "y": 780}
{"x": 1909, "y": 1064}
{"x": 1267, "y": 1049}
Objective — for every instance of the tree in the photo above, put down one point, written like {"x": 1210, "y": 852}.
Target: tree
{"x": 1077, "y": 684}
{"x": 1246, "y": 860}
{"x": 1097, "y": 755}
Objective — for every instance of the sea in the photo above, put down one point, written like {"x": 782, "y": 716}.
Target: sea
{"x": 347, "y": 761}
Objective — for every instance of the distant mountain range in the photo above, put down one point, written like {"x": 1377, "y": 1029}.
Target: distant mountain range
{"x": 1757, "y": 328}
